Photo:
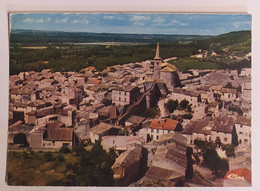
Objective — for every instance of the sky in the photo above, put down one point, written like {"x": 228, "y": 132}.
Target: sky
{"x": 157, "y": 23}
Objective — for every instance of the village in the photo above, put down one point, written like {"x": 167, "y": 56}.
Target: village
{"x": 153, "y": 115}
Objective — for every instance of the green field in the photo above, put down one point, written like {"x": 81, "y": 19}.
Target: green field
{"x": 184, "y": 64}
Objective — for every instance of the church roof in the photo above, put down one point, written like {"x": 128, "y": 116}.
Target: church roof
{"x": 167, "y": 67}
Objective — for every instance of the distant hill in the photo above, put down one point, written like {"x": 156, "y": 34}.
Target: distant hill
{"x": 233, "y": 43}
{"x": 38, "y": 37}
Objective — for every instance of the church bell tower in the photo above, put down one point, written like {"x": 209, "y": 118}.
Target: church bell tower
{"x": 157, "y": 63}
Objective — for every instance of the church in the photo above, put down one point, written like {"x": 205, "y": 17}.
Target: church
{"x": 165, "y": 71}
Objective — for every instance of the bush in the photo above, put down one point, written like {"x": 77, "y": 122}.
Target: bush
{"x": 20, "y": 138}
{"x": 230, "y": 149}
{"x": 184, "y": 103}
{"x": 65, "y": 150}
{"x": 48, "y": 156}
{"x": 171, "y": 105}
{"x": 187, "y": 116}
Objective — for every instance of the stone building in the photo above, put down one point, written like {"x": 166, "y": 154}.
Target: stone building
{"x": 165, "y": 71}
{"x": 125, "y": 95}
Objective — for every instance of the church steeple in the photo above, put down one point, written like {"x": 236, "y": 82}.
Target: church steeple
{"x": 157, "y": 54}
{"x": 157, "y": 63}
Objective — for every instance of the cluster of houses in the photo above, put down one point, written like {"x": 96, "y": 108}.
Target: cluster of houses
{"x": 56, "y": 109}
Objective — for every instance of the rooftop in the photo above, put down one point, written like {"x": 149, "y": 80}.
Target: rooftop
{"x": 168, "y": 124}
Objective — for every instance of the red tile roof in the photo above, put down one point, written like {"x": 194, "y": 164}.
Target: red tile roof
{"x": 238, "y": 174}
{"x": 168, "y": 124}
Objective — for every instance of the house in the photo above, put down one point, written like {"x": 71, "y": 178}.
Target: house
{"x": 228, "y": 94}
{"x": 119, "y": 143}
{"x": 160, "y": 127}
{"x": 246, "y": 91}
{"x": 18, "y": 127}
{"x": 103, "y": 129}
{"x": 198, "y": 129}
{"x": 134, "y": 123}
{"x": 245, "y": 72}
{"x": 125, "y": 95}
{"x": 192, "y": 96}
{"x": 56, "y": 135}
{"x": 200, "y": 110}
{"x": 223, "y": 130}
{"x": 241, "y": 177}
{"x": 243, "y": 130}
{"x": 128, "y": 166}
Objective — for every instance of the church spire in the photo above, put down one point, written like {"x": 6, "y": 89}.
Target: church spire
{"x": 157, "y": 55}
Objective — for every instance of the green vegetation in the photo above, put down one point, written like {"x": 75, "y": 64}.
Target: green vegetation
{"x": 184, "y": 64}
{"x": 211, "y": 158}
{"x": 85, "y": 168}
{"x": 36, "y": 50}
{"x": 20, "y": 138}
{"x": 150, "y": 113}
{"x": 230, "y": 149}
{"x": 172, "y": 105}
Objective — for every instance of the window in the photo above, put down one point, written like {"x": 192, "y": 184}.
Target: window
{"x": 240, "y": 133}
{"x": 157, "y": 131}
{"x": 152, "y": 131}
{"x": 245, "y": 140}
{"x": 225, "y": 139}
{"x": 157, "y": 137}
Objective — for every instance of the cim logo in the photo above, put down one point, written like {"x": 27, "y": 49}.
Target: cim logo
{"x": 235, "y": 176}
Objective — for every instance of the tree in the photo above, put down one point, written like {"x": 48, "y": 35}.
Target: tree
{"x": 20, "y": 138}
{"x": 171, "y": 105}
{"x": 65, "y": 149}
{"x": 184, "y": 103}
{"x": 230, "y": 149}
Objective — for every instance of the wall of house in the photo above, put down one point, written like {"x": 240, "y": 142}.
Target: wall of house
{"x": 120, "y": 97}
{"x": 226, "y": 138}
{"x": 117, "y": 142}
{"x": 200, "y": 112}
{"x": 228, "y": 97}
{"x": 56, "y": 144}
{"x": 155, "y": 133}
{"x": 93, "y": 137}
{"x": 30, "y": 119}
{"x": 36, "y": 140}
{"x": 180, "y": 97}
{"x": 244, "y": 134}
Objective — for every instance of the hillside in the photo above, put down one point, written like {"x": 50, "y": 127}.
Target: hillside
{"x": 45, "y": 37}
{"x": 60, "y": 51}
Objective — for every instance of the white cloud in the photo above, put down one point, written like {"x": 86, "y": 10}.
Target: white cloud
{"x": 39, "y": 21}
{"x": 28, "y": 20}
{"x": 109, "y": 17}
{"x": 238, "y": 24}
{"x": 138, "y": 23}
{"x": 80, "y": 21}
{"x": 65, "y": 20}
{"x": 184, "y": 24}
{"x": 175, "y": 22}
{"x": 139, "y": 18}
{"x": 159, "y": 20}
{"x": 75, "y": 21}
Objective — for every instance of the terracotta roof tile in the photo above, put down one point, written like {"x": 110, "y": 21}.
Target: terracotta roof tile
{"x": 238, "y": 174}
{"x": 168, "y": 124}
